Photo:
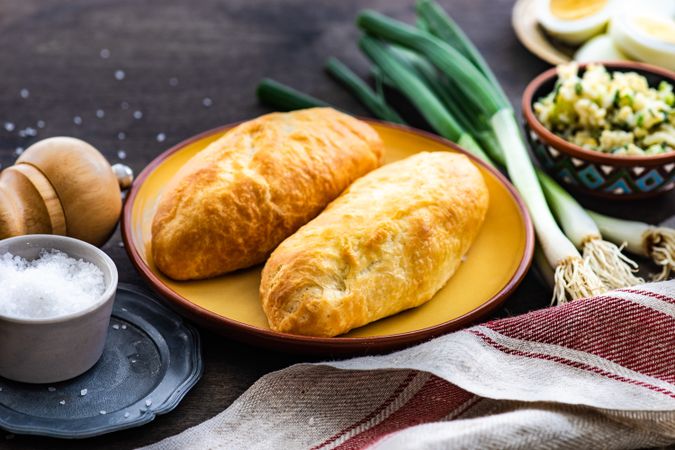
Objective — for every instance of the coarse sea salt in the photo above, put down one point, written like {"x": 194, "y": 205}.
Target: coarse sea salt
{"x": 48, "y": 287}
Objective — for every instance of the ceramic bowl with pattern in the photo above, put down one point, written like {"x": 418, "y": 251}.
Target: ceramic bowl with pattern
{"x": 590, "y": 171}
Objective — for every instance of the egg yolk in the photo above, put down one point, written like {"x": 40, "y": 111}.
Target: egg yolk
{"x": 663, "y": 30}
{"x": 576, "y": 9}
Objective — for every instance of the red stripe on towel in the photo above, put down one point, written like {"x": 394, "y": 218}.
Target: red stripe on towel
{"x": 436, "y": 400}
{"x": 401, "y": 387}
{"x": 627, "y": 333}
{"x": 575, "y": 364}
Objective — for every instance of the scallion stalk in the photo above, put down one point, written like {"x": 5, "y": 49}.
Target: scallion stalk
{"x": 285, "y": 98}
{"x": 419, "y": 94}
{"x": 614, "y": 268}
{"x": 371, "y": 100}
{"x": 573, "y": 277}
{"x": 657, "y": 243}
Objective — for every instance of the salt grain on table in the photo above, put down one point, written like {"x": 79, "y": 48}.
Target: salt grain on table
{"x": 24, "y": 93}
{"x": 9, "y": 126}
{"x": 77, "y": 120}
{"x": 62, "y": 402}
{"x": 51, "y": 389}
{"x": 124, "y": 105}
{"x": 50, "y": 286}
{"x": 207, "y": 102}
{"x": 138, "y": 115}
{"x": 18, "y": 151}
{"x": 83, "y": 392}
{"x": 121, "y": 154}
{"x": 119, "y": 75}
{"x": 124, "y": 327}
{"x": 161, "y": 137}
{"x": 40, "y": 123}
{"x": 126, "y": 414}
{"x": 102, "y": 412}
{"x": 116, "y": 327}
{"x": 121, "y": 135}
{"x": 105, "y": 53}
{"x": 100, "y": 113}
{"x": 148, "y": 402}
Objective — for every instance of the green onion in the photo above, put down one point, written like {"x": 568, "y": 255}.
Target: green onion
{"x": 574, "y": 278}
{"x": 613, "y": 267}
{"x": 419, "y": 94}
{"x": 374, "y": 102}
{"x": 285, "y": 98}
{"x": 432, "y": 18}
{"x": 657, "y": 243}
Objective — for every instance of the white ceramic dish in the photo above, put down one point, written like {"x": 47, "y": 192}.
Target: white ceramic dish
{"x": 56, "y": 349}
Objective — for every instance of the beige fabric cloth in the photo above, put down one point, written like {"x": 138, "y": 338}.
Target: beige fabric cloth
{"x": 595, "y": 373}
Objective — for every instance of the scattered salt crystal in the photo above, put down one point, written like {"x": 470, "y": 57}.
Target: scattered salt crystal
{"x": 148, "y": 402}
{"x": 121, "y": 154}
{"x": 161, "y": 137}
{"x": 24, "y": 93}
{"x": 62, "y": 402}
{"x": 105, "y": 53}
{"x": 133, "y": 361}
{"x": 138, "y": 114}
{"x": 116, "y": 327}
{"x": 463, "y": 258}
{"x": 121, "y": 135}
{"x": 18, "y": 151}
{"x": 207, "y": 102}
{"x": 28, "y": 131}
{"x": 51, "y": 389}
{"x": 40, "y": 123}
{"x": 120, "y": 244}
{"x": 124, "y": 309}
{"x": 173, "y": 81}
{"x": 102, "y": 412}
{"x": 9, "y": 126}
{"x": 119, "y": 75}
{"x": 77, "y": 120}
{"x": 124, "y": 105}
{"x": 126, "y": 414}
{"x": 311, "y": 421}
{"x": 144, "y": 409}
{"x": 124, "y": 327}
{"x": 0, "y": 389}
{"x": 50, "y": 286}
{"x": 100, "y": 113}
{"x": 83, "y": 392}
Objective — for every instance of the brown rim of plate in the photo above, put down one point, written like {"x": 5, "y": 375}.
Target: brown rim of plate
{"x": 556, "y": 141}
{"x": 309, "y": 344}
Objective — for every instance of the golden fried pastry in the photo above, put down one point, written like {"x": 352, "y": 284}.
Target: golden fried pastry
{"x": 236, "y": 200}
{"x": 388, "y": 243}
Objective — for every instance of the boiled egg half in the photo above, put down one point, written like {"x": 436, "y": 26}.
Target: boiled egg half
{"x": 574, "y": 21}
{"x": 646, "y": 33}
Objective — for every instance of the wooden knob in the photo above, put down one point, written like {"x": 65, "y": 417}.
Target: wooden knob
{"x": 60, "y": 185}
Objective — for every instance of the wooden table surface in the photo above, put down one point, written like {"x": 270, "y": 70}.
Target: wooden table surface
{"x": 190, "y": 66}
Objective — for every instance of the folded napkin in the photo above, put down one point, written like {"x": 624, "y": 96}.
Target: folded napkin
{"x": 594, "y": 373}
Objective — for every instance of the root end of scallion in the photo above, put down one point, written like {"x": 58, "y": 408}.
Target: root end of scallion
{"x": 660, "y": 245}
{"x": 614, "y": 269}
{"x": 574, "y": 279}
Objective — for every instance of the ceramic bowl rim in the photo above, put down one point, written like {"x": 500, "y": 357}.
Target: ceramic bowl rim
{"x": 53, "y": 241}
{"x": 577, "y": 151}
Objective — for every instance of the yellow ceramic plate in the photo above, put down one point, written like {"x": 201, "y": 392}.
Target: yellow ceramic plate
{"x": 229, "y": 304}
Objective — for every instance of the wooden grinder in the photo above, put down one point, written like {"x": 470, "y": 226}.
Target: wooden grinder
{"x": 63, "y": 186}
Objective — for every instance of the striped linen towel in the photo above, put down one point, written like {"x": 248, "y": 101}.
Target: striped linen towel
{"x": 595, "y": 373}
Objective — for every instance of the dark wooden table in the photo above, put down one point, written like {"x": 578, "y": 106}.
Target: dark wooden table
{"x": 190, "y": 66}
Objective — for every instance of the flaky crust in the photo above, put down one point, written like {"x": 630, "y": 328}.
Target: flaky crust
{"x": 388, "y": 243}
{"x": 236, "y": 200}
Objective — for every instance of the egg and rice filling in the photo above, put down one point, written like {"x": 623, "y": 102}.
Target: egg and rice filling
{"x": 615, "y": 113}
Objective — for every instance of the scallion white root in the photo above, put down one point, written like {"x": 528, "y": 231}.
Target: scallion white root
{"x": 573, "y": 279}
{"x": 614, "y": 268}
{"x": 657, "y": 243}
{"x": 605, "y": 259}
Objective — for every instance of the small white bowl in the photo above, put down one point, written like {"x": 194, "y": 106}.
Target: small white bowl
{"x": 52, "y": 350}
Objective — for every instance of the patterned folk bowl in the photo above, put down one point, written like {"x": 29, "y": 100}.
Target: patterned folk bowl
{"x": 597, "y": 173}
